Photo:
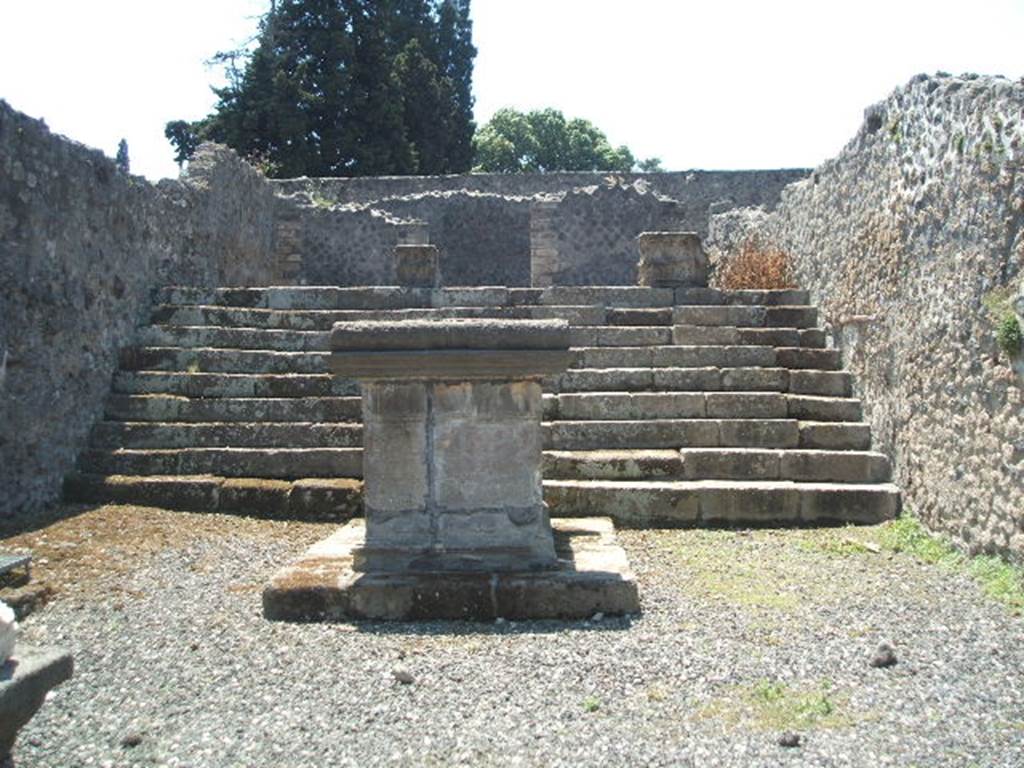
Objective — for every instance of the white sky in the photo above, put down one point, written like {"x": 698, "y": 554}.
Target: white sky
{"x": 715, "y": 84}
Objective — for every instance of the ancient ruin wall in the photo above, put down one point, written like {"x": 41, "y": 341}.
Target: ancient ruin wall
{"x": 912, "y": 240}
{"x": 700, "y": 188}
{"x": 81, "y": 247}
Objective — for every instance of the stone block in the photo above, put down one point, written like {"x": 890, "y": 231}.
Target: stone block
{"x": 592, "y": 576}
{"x": 723, "y": 503}
{"x": 416, "y": 266}
{"x": 671, "y": 260}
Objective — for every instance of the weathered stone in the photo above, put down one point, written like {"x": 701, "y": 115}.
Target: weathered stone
{"x": 416, "y": 266}
{"x": 671, "y": 260}
{"x": 592, "y": 576}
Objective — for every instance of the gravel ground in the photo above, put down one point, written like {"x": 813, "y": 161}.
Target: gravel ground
{"x": 744, "y": 636}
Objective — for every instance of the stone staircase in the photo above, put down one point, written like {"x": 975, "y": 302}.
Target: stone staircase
{"x": 683, "y": 407}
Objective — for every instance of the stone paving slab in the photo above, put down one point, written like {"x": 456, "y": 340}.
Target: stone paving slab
{"x": 593, "y": 576}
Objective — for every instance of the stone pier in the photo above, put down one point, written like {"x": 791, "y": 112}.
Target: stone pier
{"x": 671, "y": 260}
{"x": 455, "y": 522}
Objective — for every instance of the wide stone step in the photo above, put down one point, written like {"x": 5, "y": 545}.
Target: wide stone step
{"x": 195, "y": 409}
{"x": 767, "y": 298}
{"x": 619, "y": 336}
{"x": 677, "y": 356}
{"x": 231, "y": 385}
{"x": 719, "y": 463}
{"x": 317, "y": 499}
{"x": 684, "y": 405}
{"x": 613, "y": 464}
{"x": 209, "y": 360}
{"x": 609, "y": 295}
{"x": 323, "y": 319}
{"x": 732, "y": 335}
{"x": 276, "y": 463}
{"x": 747, "y": 316}
{"x": 594, "y": 434}
{"x": 685, "y": 503}
{"x": 710, "y": 378}
{"x": 651, "y": 317}
{"x": 232, "y": 434}
{"x": 233, "y": 338}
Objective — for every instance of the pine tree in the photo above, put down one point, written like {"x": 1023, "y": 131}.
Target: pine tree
{"x": 348, "y": 87}
{"x": 122, "y": 162}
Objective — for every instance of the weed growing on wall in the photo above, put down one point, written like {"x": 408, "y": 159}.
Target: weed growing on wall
{"x": 755, "y": 266}
{"x": 1009, "y": 336}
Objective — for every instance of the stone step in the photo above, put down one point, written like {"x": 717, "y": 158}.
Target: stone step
{"x": 274, "y": 463}
{"x": 361, "y": 298}
{"x": 194, "y": 409}
{"x": 609, "y": 295}
{"x": 747, "y": 316}
{"x": 322, "y": 320}
{"x": 804, "y": 382}
{"x": 719, "y": 464}
{"x": 316, "y": 499}
{"x": 674, "y": 357}
{"x": 634, "y": 316}
{"x": 612, "y": 464}
{"x": 595, "y": 434}
{"x": 620, "y": 336}
{"x": 686, "y": 503}
{"x": 231, "y": 434}
{"x": 737, "y": 335}
{"x": 211, "y": 360}
{"x": 233, "y": 338}
{"x": 683, "y": 405}
{"x": 767, "y": 298}
{"x": 231, "y": 385}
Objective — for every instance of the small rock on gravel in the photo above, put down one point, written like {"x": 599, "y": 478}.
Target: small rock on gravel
{"x": 789, "y": 740}
{"x": 885, "y": 656}
{"x": 403, "y": 675}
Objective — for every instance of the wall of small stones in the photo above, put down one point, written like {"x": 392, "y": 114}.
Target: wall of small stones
{"x": 482, "y": 223}
{"x": 81, "y": 247}
{"x": 703, "y": 188}
{"x": 912, "y": 241}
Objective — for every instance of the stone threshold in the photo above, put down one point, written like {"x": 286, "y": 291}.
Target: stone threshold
{"x": 592, "y": 576}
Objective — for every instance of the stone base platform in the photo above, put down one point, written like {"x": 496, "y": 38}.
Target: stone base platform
{"x": 592, "y": 576}
{"x": 25, "y": 680}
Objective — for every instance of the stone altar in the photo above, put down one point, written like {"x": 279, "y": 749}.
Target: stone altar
{"x": 455, "y": 522}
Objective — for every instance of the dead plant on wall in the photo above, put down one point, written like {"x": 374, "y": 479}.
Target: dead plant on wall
{"x": 754, "y": 265}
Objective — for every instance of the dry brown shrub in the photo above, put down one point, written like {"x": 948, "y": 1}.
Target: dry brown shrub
{"x": 755, "y": 266}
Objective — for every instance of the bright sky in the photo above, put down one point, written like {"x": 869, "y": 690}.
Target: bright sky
{"x": 716, "y": 84}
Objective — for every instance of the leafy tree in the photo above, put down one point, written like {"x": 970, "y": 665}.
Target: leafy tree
{"x": 543, "y": 140}
{"x": 650, "y": 165}
{"x": 348, "y": 87}
{"x": 183, "y": 137}
{"x": 122, "y": 162}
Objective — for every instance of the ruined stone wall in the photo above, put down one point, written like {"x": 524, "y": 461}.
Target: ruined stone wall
{"x": 81, "y": 247}
{"x": 912, "y": 240}
{"x": 482, "y": 238}
{"x": 700, "y": 188}
{"x": 588, "y": 236}
{"x": 482, "y": 223}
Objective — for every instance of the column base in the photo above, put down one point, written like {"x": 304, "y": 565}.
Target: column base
{"x": 592, "y": 576}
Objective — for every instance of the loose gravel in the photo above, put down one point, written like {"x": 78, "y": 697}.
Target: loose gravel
{"x": 749, "y": 642}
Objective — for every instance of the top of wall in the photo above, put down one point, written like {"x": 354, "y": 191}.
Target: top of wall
{"x": 754, "y": 187}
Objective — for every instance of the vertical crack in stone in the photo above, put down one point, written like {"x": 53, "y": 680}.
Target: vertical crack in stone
{"x": 428, "y": 436}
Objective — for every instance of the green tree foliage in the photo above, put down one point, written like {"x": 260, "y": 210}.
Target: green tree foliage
{"x": 183, "y": 138}
{"x": 543, "y": 140}
{"x": 348, "y": 88}
{"x": 122, "y": 162}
